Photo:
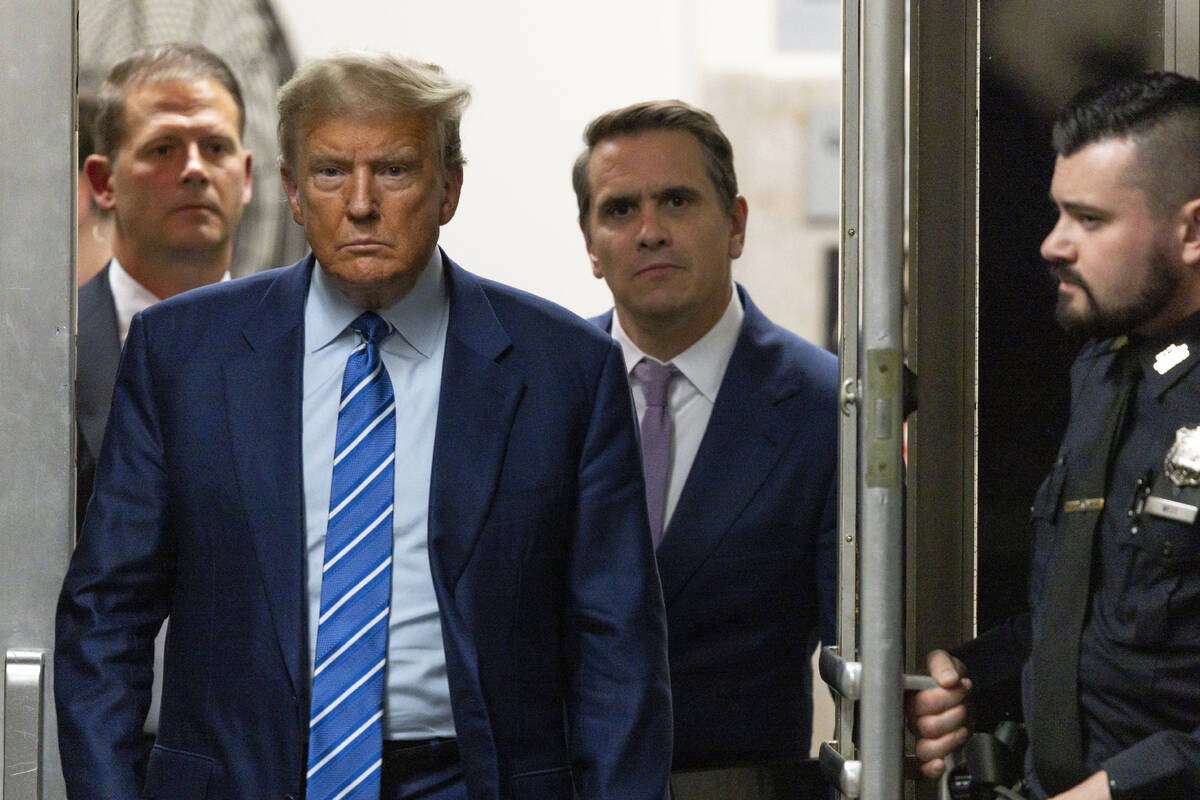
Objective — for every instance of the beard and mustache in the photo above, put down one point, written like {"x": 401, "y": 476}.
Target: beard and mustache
{"x": 1123, "y": 316}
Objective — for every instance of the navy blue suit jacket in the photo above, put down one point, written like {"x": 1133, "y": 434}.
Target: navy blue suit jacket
{"x": 551, "y": 610}
{"x": 749, "y": 559}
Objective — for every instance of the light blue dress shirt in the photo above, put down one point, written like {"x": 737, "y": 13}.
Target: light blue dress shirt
{"x": 418, "y": 694}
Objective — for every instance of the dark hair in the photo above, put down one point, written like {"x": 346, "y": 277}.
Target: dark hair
{"x": 657, "y": 115}
{"x": 367, "y": 84}
{"x": 1159, "y": 112}
{"x": 176, "y": 61}
{"x": 87, "y": 127}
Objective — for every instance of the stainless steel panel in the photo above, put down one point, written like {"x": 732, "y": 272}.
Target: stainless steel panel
{"x": 24, "y": 709}
{"x": 848, "y": 295}
{"x": 37, "y": 225}
{"x": 881, "y": 549}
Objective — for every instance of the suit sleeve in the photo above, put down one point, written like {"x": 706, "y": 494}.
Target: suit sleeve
{"x": 619, "y": 704}
{"x": 115, "y": 597}
{"x": 995, "y": 657}
{"x": 1164, "y": 764}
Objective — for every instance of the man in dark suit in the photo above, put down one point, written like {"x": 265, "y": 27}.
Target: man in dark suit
{"x": 1106, "y": 655}
{"x": 740, "y": 447}
{"x": 490, "y": 625}
{"x": 170, "y": 170}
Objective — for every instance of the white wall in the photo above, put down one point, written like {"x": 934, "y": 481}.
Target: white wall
{"x": 541, "y": 69}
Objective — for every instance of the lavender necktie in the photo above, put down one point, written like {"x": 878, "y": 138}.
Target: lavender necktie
{"x": 657, "y": 432}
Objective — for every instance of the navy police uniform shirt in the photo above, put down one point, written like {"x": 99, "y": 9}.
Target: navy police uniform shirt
{"x": 1139, "y": 664}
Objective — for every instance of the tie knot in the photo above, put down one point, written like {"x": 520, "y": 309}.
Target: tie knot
{"x": 372, "y": 327}
{"x": 1127, "y": 365}
{"x": 655, "y": 378}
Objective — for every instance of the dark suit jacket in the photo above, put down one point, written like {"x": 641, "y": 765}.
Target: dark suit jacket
{"x": 749, "y": 559}
{"x": 97, "y": 352}
{"x": 551, "y": 611}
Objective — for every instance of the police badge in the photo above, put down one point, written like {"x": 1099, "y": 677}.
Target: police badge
{"x": 1182, "y": 464}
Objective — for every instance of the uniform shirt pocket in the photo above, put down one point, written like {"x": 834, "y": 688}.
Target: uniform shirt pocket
{"x": 1163, "y": 588}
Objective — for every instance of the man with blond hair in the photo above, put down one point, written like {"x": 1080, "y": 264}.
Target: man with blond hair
{"x": 394, "y": 510}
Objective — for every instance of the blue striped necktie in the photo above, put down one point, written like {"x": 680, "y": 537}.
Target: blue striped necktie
{"x": 346, "y": 723}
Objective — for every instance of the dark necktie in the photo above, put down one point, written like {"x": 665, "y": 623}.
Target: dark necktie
{"x": 345, "y": 726}
{"x": 657, "y": 431}
{"x": 1057, "y": 736}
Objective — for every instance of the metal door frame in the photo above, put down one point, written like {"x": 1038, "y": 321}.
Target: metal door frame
{"x": 937, "y": 339}
{"x": 1181, "y": 36}
{"x": 37, "y": 308}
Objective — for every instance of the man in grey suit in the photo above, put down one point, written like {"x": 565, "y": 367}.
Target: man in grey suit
{"x": 739, "y": 431}
{"x": 171, "y": 169}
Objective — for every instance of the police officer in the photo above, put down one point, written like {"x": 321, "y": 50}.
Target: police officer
{"x": 1109, "y": 657}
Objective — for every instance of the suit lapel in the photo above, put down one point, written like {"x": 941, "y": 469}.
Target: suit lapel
{"x": 479, "y": 399}
{"x": 749, "y": 430}
{"x": 264, "y": 394}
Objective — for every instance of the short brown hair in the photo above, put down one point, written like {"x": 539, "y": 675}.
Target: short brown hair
{"x": 366, "y": 85}
{"x": 656, "y": 115}
{"x": 176, "y": 61}
{"x": 87, "y": 128}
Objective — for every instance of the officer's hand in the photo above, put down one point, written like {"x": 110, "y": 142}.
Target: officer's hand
{"x": 938, "y": 716}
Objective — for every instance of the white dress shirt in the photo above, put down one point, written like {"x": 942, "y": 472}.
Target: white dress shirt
{"x": 129, "y": 296}
{"x": 693, "y": 392}
{"x": 417, "y": 703}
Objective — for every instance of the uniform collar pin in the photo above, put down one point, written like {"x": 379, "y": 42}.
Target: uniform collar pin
{"x": 1170, "y": 357}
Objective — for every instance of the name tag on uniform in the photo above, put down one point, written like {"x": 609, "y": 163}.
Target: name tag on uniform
{"x": 1171, "y": 357}
{"x": 1170, "y": 509}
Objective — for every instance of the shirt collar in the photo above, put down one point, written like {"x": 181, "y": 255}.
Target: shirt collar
{"x": 704, "y": 363}
{"x": 129, "y": 296}
{"x": 417, "y": 316}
